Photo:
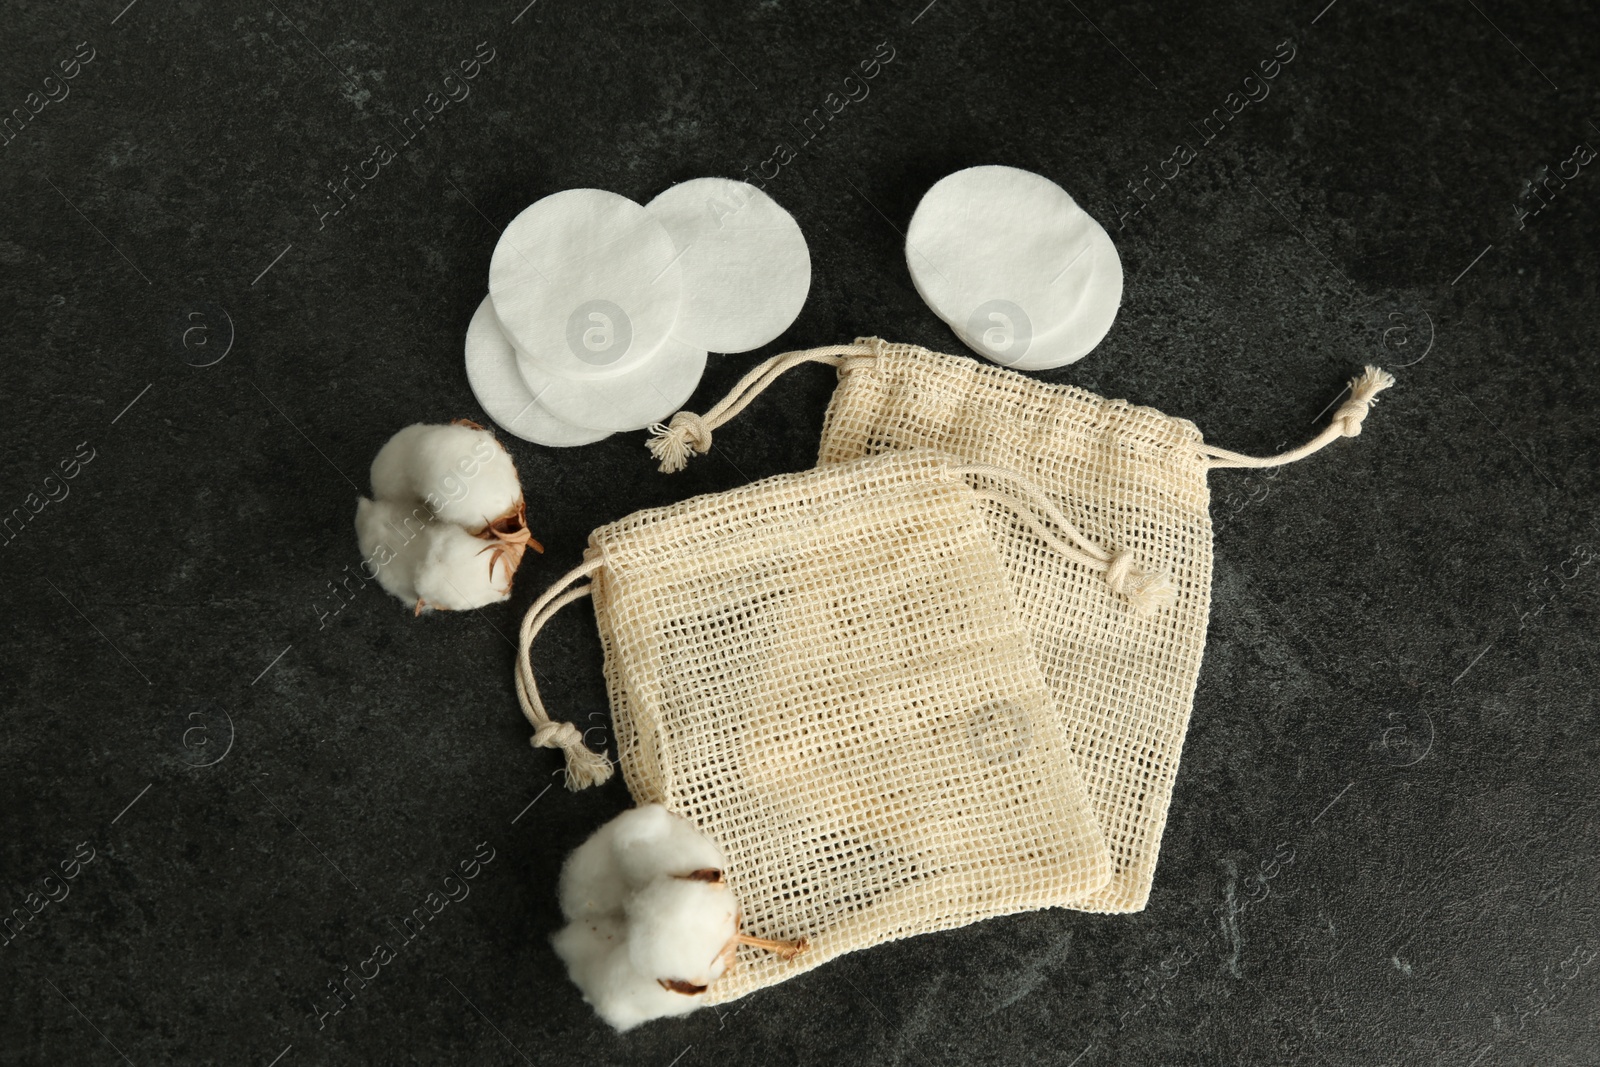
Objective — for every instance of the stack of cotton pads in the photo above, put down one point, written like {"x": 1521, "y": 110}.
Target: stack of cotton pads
{"x": 600, "y": 312}
{"x": 1017, "y": 269}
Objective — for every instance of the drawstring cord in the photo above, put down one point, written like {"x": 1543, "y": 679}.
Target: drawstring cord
{"x": 688, "y": 434}
{"x": 585, "y": 767}
{"x": 1147, "y": 591}
{"x": 1346, "y": 422}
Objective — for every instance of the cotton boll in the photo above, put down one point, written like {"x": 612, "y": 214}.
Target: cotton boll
{"x": 393, "y": 540}
{"x": 392, "y": 466}
{"x": 627, "y": 854}
{"x": 678, "y": 929}
{"x": 591, "y": 879}
{"x": 625, "y": 998}
{"x": 647, "y": 904}
{"x": 596, "y": 955}
{"x": 586, "y": 948}
{"x": 460, "y": 476}
{"x": 653, "y": 922}
{"x": 458, "y": 469}
{"x": 465, "y": 475}
{"x": 458, "y": 571}
{"x": 651, "y": 841}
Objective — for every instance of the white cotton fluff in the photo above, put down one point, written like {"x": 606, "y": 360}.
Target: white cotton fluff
{"x": 586, "y": 947}
{"x": 637, "y": 919}
{"x": 651, "y": 841}
{"x": 391, "y": 467}
{"x": 626, "y": 854}
{"x": 394, "y": 540}
{"x": 458, "y": 571}
{"x": 601, "y": 969}
{"x": 428, "y": 538}
{"x": 678, "y": 928}
{"x": 460, "y": 471}
{"x": 591, "y": 880}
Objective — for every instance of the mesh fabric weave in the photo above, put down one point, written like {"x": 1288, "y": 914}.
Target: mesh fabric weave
{"x": 826, "y": 672}
{"x": 1129, "y": 477}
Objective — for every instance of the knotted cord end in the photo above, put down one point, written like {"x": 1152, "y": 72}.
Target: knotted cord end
{"x": 1148, "y": 591}
{"x": 673, "y": 443}
{"x": 1364, "y": 390}
{"x": 585, "y": 767}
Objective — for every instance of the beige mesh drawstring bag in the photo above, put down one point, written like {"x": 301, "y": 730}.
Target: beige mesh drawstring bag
{"x": 826, "y": 672}
{"x": 1129, "y": 478}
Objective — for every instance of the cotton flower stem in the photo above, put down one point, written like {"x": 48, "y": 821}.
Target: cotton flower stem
{"x": 784, "y": 950}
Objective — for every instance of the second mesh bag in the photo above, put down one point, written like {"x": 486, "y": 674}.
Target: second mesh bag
{"x": 1121, "y": 662}
{"x": 826, "y": 673}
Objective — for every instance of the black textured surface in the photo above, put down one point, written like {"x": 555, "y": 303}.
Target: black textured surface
{"x": 1382, "y": 847}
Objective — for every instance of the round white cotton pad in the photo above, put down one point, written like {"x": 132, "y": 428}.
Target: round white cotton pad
{"x": 500, "y": 389}
{"x": 586, "y": 283}
{"x": 1098, "y": 274}
{"x": 632, "y": 400}
{"x": 746, "y": 268}
{"x": 1007, "y": 258}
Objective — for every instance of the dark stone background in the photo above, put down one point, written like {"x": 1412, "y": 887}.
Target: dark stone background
{"x": 1382, "y": 846}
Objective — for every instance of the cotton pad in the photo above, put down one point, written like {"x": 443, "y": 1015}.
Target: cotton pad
{"x": 585, "y": 283}
{"x": 1010, "y": 262}
{"x": 1099, "y": 273}
{"x": 500, "y": 389}
{"x": 746, "y": 268}
{"x": 631, "y": 400}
